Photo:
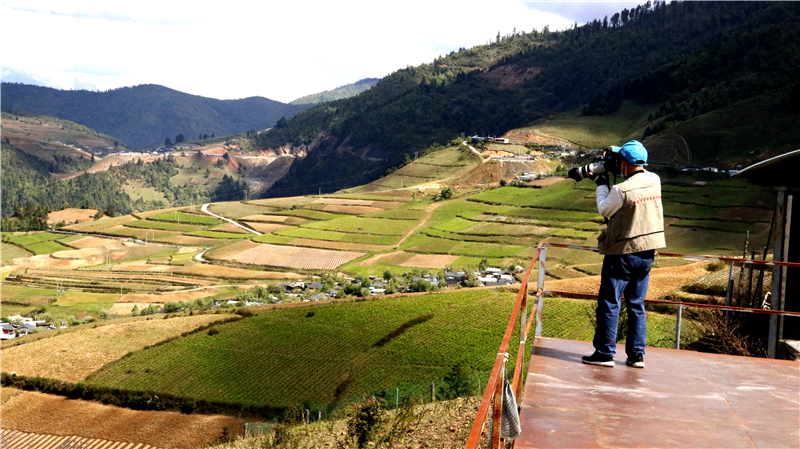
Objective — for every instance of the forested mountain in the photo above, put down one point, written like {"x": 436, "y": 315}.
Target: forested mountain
{"x": 685, "y": 59}
{"x": 347, "y": 91}
{"x": 145, "y": 115}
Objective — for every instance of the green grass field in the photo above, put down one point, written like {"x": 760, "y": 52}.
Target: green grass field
{"x": 260, "y": 361}
{"x": 10, "y": 252}
{"x": 358, "y": 225}
{"x": 46, "y": 247}
{"x": 183, "y": 217}
{"x": 163, "y": 225}
{"x": 25, "y": 239}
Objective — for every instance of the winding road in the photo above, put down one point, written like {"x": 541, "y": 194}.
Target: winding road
{"x": 205, "y": 209}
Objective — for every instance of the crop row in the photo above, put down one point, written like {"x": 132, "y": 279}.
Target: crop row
{"x": 361, "y": 225}
{"x": 183, "y": 217}
{"x": 294, "y": 257}
{"x": 29, "y": 239}
{"x": 332, "y": 236}
{"x": 162, "y": 225}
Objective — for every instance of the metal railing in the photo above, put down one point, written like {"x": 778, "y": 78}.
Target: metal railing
{"x": 493, "y": 395}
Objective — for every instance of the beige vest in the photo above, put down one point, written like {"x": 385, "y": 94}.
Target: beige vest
{"x": 639, "y": 224}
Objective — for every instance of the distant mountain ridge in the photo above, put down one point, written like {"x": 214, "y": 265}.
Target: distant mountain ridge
{"x": 145, "y": 115}
{"x": 347, "y": 91}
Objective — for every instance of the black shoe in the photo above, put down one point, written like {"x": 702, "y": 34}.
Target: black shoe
{"x": 636, "y": 361}
{"x": 599, "y": 360}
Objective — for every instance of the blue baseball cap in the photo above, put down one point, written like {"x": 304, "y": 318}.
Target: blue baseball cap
{"x": 633, "y": 152}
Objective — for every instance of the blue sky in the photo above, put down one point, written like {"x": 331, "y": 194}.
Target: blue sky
{"x": 238, "y": 49}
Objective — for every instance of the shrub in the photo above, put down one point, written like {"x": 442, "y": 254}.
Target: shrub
{"x": 244, "y": 313}
{"x": 188, "y": 407}
{"x": 716, "y": 266}
{"x": 363, "y": 420}
{"x": 213, "y": 331}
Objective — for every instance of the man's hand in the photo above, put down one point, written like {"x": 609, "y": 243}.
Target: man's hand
{"x": 601, "y": 180}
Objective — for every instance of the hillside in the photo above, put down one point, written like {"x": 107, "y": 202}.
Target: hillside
{"x": 145, "y": 115}
{"x": 682, "y": 61}
{"x": 346, "y": 91}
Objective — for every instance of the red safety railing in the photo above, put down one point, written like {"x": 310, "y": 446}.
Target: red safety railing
{"x": 493, "y": 395}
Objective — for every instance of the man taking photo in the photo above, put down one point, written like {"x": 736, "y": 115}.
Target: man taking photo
{"x": 635, "y": 230}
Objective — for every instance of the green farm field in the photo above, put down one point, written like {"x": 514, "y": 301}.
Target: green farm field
{"x": 10, "y": 252}
{"x": 260, "y": 361}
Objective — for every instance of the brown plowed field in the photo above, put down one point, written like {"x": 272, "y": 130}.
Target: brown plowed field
{"x": 268, "y": 218}
{"x": 14, "y": 439}
{"x": 190, "y": 240}
{"x": 79, "y": 253}
{"x": 229, "y": 227}
{"x": 101, "y": 225}
{"x": 142, "y": 265}
{"x": 395, "y": 258}
{"x": 662, "y": 281}
{"x": 45, "y": 261}
{"x": 234, "y": 272}
{"x": 37, "y": 412}
{"x": 184, "y": 296}
{"x": 337, "y": 245}
{"x": 125, "y": 308}
{"x": 224, "y": 252}
{"x": 92, "y": 242}
{"x": 71, "y": 215}
{"x": 294, "y": 257}
{"x": 343, "y": 202}
{"x": 266, "y": 228}
{"x": 75, "y": 355}
{"x": 351, "y": 210}
{"x": 429, "y": 261}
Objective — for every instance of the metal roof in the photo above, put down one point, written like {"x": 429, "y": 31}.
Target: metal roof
{"x": 775, "y": 171}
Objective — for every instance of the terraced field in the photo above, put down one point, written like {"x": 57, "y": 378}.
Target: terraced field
{"x": 338, "y": 356}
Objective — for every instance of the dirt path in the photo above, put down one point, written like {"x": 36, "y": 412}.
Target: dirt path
{"x": 205, "y": 209}
{"x": 429, "y": 210}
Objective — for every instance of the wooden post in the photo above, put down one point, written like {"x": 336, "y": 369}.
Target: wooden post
{"x": 777, "y": 274}
{"x": 786, "y": 235}
{"x": 433, "y": 392}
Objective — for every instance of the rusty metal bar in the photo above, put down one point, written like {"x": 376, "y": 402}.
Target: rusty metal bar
{"x": 497, "y": 415}
{"x": 516, "y": 383}
{"x": 498, "y": 371}
{"x": 694, "y": 257}
{"x": 539, "y": 289}
{"x": 685, "y": 304}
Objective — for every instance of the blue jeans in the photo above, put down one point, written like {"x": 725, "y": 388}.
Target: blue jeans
{"x": 628, "y": 274}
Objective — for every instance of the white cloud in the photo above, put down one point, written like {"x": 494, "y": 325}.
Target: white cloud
{"x": 238, "y": 49}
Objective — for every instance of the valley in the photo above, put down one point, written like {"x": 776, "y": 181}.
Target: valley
{"x": 294, "y": 260}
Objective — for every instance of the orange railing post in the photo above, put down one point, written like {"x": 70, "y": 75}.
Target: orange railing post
{"x": 493, "y": 395}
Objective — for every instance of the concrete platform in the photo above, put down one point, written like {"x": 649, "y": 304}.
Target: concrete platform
{"x": 681, "y": 399}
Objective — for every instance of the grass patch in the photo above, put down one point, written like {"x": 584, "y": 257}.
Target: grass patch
{"x": 361, "y": 225}
{"x": 183, "y": 217}
{"x": 46, "y": 247}
{"x": 30, "y": 238}
{"x": 10, "y": 252}
{"x": 163, "y": 225}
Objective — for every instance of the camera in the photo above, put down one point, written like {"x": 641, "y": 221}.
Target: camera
{"x": 609, "y": 164}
